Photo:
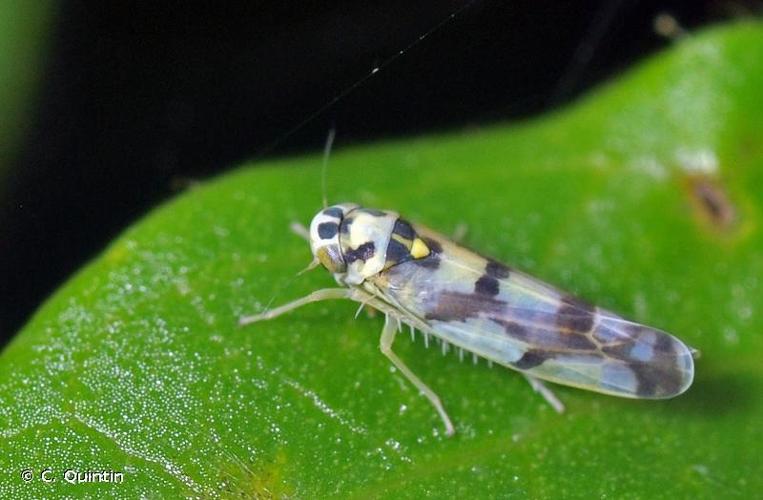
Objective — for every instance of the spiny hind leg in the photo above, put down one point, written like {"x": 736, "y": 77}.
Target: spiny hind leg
{"x": 316, "y": 296}
{"x": 385, "y": 344}
{"x": 542, "y": 389}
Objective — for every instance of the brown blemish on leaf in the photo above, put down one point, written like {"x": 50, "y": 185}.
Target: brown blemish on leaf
{"x": 711, "y": 202}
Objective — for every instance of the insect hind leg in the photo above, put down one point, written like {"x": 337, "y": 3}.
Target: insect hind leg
{"x": 541, "y": 388}
{"x": 385, "y": 344}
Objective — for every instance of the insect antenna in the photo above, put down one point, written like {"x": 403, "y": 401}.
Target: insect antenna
{"x": 312, "y": 265}
{"x": 370, "y": 74}
{"x": 324, "y": 167}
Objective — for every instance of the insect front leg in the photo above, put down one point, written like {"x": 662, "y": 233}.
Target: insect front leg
{"x": 300, "y": 231}
{"x": 385, "y": 344}
{"x": 316, "y": 296}
{"x": 541, "y": 388}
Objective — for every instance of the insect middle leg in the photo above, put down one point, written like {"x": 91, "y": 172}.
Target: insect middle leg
{"x": 385, "y": 344}
{"x": 541, "y": 388}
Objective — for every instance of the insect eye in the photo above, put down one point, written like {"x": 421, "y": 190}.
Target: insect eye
{"x": 331, "y": 258}
{"x": 327, "y": 230}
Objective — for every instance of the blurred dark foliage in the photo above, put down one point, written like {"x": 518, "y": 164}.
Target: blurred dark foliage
{"x": 138, "y": 100}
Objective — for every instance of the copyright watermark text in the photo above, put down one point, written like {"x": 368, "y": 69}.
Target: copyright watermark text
{"x": 72, "y": 476}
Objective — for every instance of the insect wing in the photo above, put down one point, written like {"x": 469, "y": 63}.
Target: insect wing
{"x": 594, "y": 349}
{"x": 518, "y": 321}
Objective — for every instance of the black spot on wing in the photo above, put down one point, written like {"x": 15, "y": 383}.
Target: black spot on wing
{"x": 575, "y": 315}
{"x": 513, "y": 329}
{"x": 647, "y": 379}
{"x": 657, "y": 379}
{"x": 530, "y": 359}
{"x": 658, "y": 376}
{"x": 620, "y": 350}
{"x": 431, "y": 261}
{"x": 397, "y": 252}
{"x": 434, "y": 245}
{"x": 486, "y": 285}
{"x": 404, "y": 229}
{"x": 496, "y": 270}
{"x": 456, "y": 306}
{"x": 333, "y": 212}
{"x": 630, "y": 335}
{"x": 327, "y": 230}
{"x": 546, "y": 338}
{"x": 664, "y": 345}
{"x": 363, "y": 252}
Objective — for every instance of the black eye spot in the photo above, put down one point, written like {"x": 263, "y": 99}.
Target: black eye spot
{"x": 333, "y": 212}
{"x": 327, "y": 230}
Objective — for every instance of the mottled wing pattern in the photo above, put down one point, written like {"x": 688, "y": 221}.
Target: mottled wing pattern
{"x": 515, "y": 320}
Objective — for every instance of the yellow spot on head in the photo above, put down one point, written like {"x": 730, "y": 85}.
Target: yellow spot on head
{"x": 419, "y": 249}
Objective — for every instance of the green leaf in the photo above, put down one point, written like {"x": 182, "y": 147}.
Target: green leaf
{"x": 644, "y": 198}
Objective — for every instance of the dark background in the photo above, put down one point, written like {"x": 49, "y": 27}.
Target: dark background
{"x": 138, "y": 101}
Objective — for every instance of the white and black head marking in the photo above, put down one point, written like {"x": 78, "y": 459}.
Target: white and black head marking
{"x": 324, "y": 236}
{"x": 356, "y": 243}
